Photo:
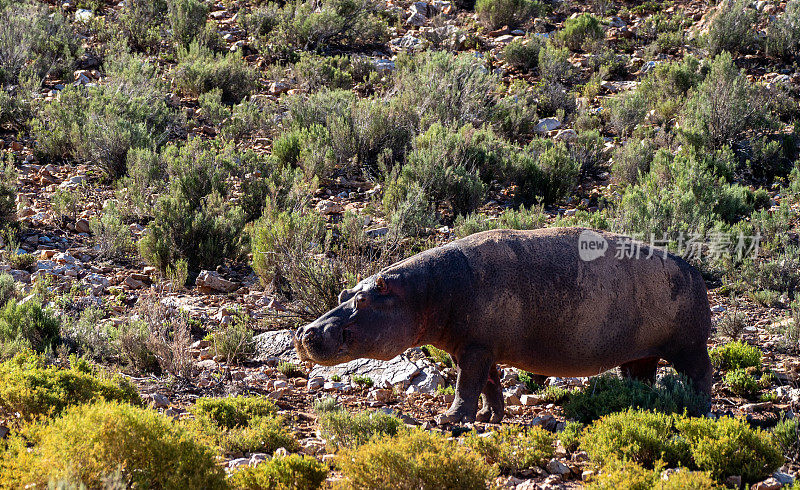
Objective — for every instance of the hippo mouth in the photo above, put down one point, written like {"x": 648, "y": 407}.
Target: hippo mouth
{"x": 324, "y": 351}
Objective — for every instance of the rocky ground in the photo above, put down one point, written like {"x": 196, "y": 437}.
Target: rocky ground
{"x": 412, "y": 386}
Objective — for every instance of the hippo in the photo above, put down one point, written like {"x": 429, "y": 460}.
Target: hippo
{"x": 552, "y": 301}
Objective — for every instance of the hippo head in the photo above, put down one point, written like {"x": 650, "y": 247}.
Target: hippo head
{"x": 372, "y": 320}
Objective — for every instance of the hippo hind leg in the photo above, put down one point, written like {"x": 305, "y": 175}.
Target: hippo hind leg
{"x": 641, "y": 369}
{"x": 492, "y": 398}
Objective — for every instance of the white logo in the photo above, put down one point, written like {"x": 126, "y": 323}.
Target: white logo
{"x": 591, "y": 245}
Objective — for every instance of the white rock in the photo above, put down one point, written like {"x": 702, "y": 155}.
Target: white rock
{"x": 211, "y": 281}
{"x": 328, "y": 206}
{"x": 548, "y": 124}
{"x": 556, "y": 467}
{"x": 530, "y": 400}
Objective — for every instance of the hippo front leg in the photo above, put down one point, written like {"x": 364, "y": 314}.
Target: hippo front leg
{"x": 473, "y": 366}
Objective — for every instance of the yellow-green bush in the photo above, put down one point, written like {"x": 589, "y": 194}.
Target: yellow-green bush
{"x": 640, "y": 436}
{"x": 89, "y": 442}
{"x": 627, "y": 475}
{"x": 514, "y": 448}
{"x": 293, "y": 472}
{"x": 722, "y": 447}
{"x": 27, "y": 325}
{"x": 735, "y": 355}
{"x": 344, "y": 429}
{"x": 741, "y": 383}
{"x": 414, "y": 459}
{"x": 31, "y": 389}
{"x": 623, "y": 475}
{"x": 243, "y": 424}
{"x": 261, "y": 434}
{"x": 729, "y": 446}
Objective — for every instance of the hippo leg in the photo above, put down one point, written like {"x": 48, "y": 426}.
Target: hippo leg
{"x": 473, "y": 366}
{"x": 696, "y": 365}
{"x": 641, "y": 369}
{"x": 492, "y": 398}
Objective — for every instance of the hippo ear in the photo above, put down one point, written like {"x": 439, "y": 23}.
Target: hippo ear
{"x": 345, "y": 295}
{"x": 380, "y": 283}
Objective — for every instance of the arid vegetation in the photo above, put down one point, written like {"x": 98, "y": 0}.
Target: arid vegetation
{"x": 183, "y": 183}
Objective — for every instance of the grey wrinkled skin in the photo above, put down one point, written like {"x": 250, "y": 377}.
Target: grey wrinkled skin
{"x": 523, "y": 298}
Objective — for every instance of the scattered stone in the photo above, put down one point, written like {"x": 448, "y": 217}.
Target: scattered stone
{"x": 768, "y": 484}
{"x": 159, "y": 400}
{"x": 4, "y": 431}
{"x": 82, "y": 226}
{"x": 277, "y": 344}
{"x": 530, "y": 400}
{"x": 556, "y": 467}
{"x": 548, "y": 124}
{"x": 133, "y": 283}
{"x": 209, "y": 282}
{"x": 734, "y": 481}
{"x": 328, "y": 206}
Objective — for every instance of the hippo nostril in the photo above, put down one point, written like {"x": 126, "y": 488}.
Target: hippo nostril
{"x": 309, "y": 334}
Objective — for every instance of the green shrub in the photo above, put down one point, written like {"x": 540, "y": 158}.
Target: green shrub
{"x": 310, "y": 26}
{"x": 31, "y": 389}
{"x": 36, "y": 42}
{"x": 193, "y": 219}
{"x": 786, "y": 436}
{"x": 554, "y": 394}
{"x": 464, "y": 88}
{"x": 545, "y": 171}
{"x": 736, "y": 355}
{"x": 326, "y": 404}
{"x": 783, "y": 35}
{"x": 438, "y": 355}
{"x": 140, "y": 22}
{"x": 112, "y": 237}
{"x": 554, "y": 67}
{"x": 732, "y": 28}
{"x": 514, "y": 448}
{"x": 89, "y": 442}
{"x": 609, "y": 394}
{"x": 527, "y": 379}
{"x": 741, "y": 383}
{"x": 102, "y": 123}
{"x": 640, "y": 436}
{"x": 570, "y": 437}
{"x": 679, "y": 194}
{"x": 623, "y": 474}
{"x": 260, "y": 435}
{"x": 27, "y": 325}
{"x": 290, "y": 369}
{"x": 498, "y": 13}
{"x": 725, "y": 106}
{"x": 290, "y": 472}
{"x": 729, "y": 446}
{"x": 515, "y": 114}
{"x": 448, "y": 164}
{"x": 519, "y": 219}
{"x": 632, "y": 159}
{"x": 362, "y": 381}
{"x": 187, "y": 18}
{"x": 234, "y": 341}
{"x": 332, "y": 72}
{"x": 199, "y": 70}
{"x": 8, "y": 192}
{"x": 524, "y": 54}
{"x": 632, "y": 476}
{"x": 346, "y": 430}
{"x": 579, "y": 30}
{"x": 232, "y": 411}
{"x": 243, "y": 424}
{"x": 416, "y": 459}
{"x": 8, "y": 290}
